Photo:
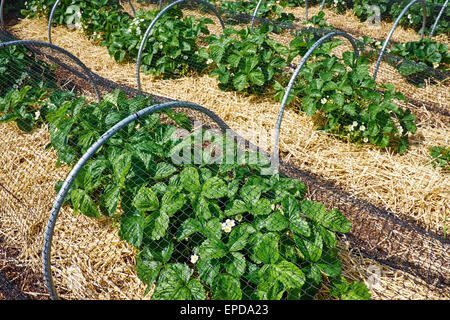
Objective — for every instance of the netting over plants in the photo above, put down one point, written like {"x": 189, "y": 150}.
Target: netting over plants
{"x": 164, "y": 199}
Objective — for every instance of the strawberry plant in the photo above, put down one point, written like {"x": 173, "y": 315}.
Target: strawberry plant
{"x": 270, "y": 10}
{"x": 33, "y": 71}
{"x": 343, "y": 99}
{"x": 390, "y": 10}
{"x": 440, "y": 156}
{"x": 245, "y": 60}
{"x": 171, "y": 49}
{"x": 206, "y": 230}
{"x": 427, "y": 53}
{"x": 414, "y": 16}
{"x": 23, "y": 106}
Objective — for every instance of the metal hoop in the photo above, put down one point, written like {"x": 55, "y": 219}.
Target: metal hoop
{"x": 275, "y": 155}
{"x": 50, "y": 19}
{"x": 397, "y": 21}
{"x": 322, "y": 5}
{"x": 132, "y": 7}
{"x": 82, "y": 161}
{"x": 438, "y": 17}
{"x": 149, "y": 29}
{"x": 52, "y": 46}
{"x": 2, "y": 9}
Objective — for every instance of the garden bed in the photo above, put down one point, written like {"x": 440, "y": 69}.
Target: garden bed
{"x": 406, "y": 185}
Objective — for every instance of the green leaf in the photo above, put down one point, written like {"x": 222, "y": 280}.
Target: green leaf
{"x": 236, "y": 264}
{"x": 172, "y": 202}
{"x": 309, "y": 105}
{"x": 109, "y": 200}
{"x": 190, "y": 179}
{"x": 239, "y": 82}
{"x": 147, "y": 270}
{"x": 330, "y": 263}
{"x": 208, "y": 269}
{"x": 310, "y": 247}
{"x": 292, "y": 212}
{"x": 226, "y": 287}
{"x": 214, "y": 188}
{"x": 275, "y": 222}
{"x": 238, "y": 238}
{"x": 262, "y": 207}
{"x": 236, "y": 207}
{"x": 174, "y": 283}
{"x": 146, "y": 200}
{"x": 188, "y": 228}
{"x": 256, "y": 77}
{"x": 121, "y": 165}
{"x": 266, "y": 249}
{"x": 251, "y": 191}
{"x": 164, "y": 170}
{"x": 81, "y": 201}
{"x": 313, "y": 210}
{"x": 161, "y": 225}
{"x": 289, "y": 274}
{"x": 212, "y": 248}
{"x": 132, "y": 229}
{"x": 336, "y": 221}
{"x": 26, "y": 123}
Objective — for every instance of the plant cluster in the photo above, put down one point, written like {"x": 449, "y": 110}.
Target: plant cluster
{"x": 343, "y": 99}
{"x": 440, "y": 156}
{"x": 207, "y": 230}
{"x": 14, "y": 58}
{"x": 390, "y": 10}
{"x": 172, "y": 48}
{"x": 270, "y": 10}
{"x": 427, "y": 53}
{"x": 249, "y": 61}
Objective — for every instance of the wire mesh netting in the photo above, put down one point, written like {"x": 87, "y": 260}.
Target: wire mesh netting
{"x": 161, "y": 199}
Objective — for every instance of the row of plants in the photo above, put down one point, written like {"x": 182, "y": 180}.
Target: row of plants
{"x": 390, "y": 10}
{"x": 417, "y": 61}
{"x": 250, "y": 61}
{"x": 209, "y": 230}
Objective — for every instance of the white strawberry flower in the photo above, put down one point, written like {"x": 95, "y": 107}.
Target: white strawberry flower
{"x": 435, "y": 65}
{"x": 194, "y": 258}
{"x": 354, "y": 124}
{"x": 323, "y": 100}
{"x": 226, "y": 226}
{"x": 365, "y": 140}
{"x": 400, "y": 130}
{"x": 351, "y": 128}
{"x": 185, "y": 57}
{"x": 230, "y": 222}
{"x": 37, "y": 114}
{"x": 239, "y": 217}
{"x": 209, "y": 61}
{"x": 362, "y": 128}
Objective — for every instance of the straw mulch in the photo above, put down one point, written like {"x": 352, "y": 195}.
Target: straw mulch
{"x": 405, "y": 184}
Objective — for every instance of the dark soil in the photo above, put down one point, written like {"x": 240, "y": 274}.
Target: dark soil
{"x": 17, "y": 282}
